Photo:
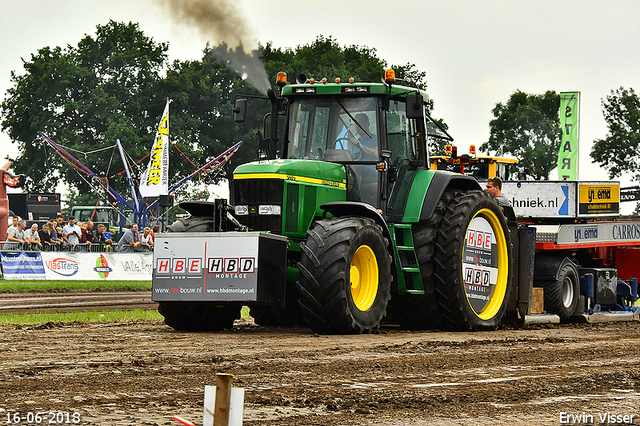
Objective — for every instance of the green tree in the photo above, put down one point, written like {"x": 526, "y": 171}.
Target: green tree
{"x": 113, "y": 86}
{"x": 621, "y": 111}
{"x": 527, "y": 126}
{"x": 84, "y": 97}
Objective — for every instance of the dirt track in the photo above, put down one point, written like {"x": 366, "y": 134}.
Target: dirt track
{"x": 143, "y": 373}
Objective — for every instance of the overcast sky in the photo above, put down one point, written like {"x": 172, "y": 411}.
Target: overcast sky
{"x": 475, "y": 53}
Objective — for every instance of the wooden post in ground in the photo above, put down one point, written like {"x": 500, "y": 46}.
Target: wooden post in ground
{"x": 223, "y": 394}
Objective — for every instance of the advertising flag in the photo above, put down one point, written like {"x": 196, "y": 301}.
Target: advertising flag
{"x": 155, "y": 180}
{"x": 570, "y": 123}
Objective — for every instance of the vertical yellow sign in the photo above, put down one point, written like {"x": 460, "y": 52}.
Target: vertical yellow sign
{"x": 570, "y": 123}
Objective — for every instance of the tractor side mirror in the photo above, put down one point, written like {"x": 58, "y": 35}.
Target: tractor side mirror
{"x": 240, "y": 110}
{"x": 414, "y": 106}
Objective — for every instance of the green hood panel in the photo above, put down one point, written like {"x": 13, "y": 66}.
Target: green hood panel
{"x": 304, "y": 171}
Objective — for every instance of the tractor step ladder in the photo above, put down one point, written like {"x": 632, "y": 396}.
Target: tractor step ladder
{"x": 409, "y": 277}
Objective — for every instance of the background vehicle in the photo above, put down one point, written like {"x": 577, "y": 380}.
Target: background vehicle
{"x": 480, "y": 167}
{"x": 107, "y": 215}
{"x": 337, "y": 237}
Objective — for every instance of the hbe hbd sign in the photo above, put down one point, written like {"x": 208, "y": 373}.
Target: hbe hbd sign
{"x": 219, "y": 267}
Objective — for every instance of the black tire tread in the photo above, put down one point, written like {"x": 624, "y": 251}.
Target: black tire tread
{"x": 448, "y": 275}
{"x": 422, "y": 312}
{"x": 323, "y": 282}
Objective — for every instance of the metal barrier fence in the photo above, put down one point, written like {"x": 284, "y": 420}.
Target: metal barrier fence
{"x": 10, "y": 246}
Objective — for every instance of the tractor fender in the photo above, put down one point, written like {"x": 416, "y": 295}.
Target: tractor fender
{"x": 443, "y": 181}
{"x": 354, "y": 208}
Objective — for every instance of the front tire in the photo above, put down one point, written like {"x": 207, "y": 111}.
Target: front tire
{"x": 345, "y": 276}
{"x": 473, "y": 263}
{"x": 193, "y": 316}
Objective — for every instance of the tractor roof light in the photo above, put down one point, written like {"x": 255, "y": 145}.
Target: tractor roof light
{"x": 447, "y": 149}
{"x": 324, "y": 80}
{"x": 472, "y": 149}
{"x": 389, "y": 76}
{"x": 337, "y": 79}
{"x": 351, "y": 79}
{"x": 281, "y": 80}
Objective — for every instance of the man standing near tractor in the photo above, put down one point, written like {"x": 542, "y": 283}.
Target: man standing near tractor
{"x": 494, "y": 187}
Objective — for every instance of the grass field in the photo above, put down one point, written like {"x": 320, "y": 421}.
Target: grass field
{"x": 80, "y": 317}
{"x": 63, "y": 286}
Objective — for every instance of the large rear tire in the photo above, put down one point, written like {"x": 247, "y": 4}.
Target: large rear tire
{"x": 473, "y": 263}
{"x": 197, "y": 316}
{"x": 421, "y": 311}
{"x": 345, "y": 276}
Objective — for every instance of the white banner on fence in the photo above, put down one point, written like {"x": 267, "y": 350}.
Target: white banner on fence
{"x": 82, "y": 266}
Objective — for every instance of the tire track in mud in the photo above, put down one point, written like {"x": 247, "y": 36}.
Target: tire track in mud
{"x": 74, "y": 301}
{"x": 143, "y": 373}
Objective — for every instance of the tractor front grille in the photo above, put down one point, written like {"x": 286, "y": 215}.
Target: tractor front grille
{"x": 256, "y": 192}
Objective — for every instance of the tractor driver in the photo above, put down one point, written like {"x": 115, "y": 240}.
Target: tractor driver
{"x": 363, "y": 143}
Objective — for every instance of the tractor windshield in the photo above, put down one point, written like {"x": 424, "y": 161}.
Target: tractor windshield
{"x": 333, "y": 129}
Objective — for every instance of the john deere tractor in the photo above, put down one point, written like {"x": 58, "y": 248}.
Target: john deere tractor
{"x": 340, "y": 223}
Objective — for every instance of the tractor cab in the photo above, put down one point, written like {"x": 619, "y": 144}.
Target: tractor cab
{"x": 367, "y": 127}
{"x": 481, "y": 168}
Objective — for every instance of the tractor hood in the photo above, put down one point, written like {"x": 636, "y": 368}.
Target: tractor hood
{"x": 303, "y": 171}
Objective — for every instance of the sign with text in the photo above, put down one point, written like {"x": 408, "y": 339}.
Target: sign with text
{"x": 570, "y": 123}
{"x": 598, "y": 199}
{"x": 77, "y": 266}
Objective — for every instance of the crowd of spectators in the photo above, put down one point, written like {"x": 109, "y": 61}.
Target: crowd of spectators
{"x": 56, "y": 235}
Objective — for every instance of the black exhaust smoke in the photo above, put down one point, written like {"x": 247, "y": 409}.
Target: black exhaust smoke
{"x": 223, "y": 25}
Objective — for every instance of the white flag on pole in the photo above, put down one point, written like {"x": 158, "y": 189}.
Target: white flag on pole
{"x": 155, "y": 180}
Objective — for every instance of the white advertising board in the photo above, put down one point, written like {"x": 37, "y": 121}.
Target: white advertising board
{"x": 541, "y": 198}
{"x": 206, "y": 266}
{"x": 77, "y": 266}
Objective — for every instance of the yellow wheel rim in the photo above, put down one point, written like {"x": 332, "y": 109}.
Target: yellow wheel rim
{"x": 496, "y": 298}
{"x": 364, "y": 277}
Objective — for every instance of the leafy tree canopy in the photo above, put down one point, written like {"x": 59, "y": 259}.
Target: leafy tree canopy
{"x": 113, "y": 85}
{"x": 621, "y": 111}
{"x": 527, "y": 126}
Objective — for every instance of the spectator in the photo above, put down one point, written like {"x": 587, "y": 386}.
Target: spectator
{"x": 60, "y": 221}
{"x": 60, "y": 237}
{"x": 91, "y": 231}
{"x": 32, "y": 238}
{"x": 13, "y": 223}
{"x": 84, "y": 237}
{"x": 103, "y": 237}
{"x": 494, "y": 187}
{"x": 56, "y": 238}
{"x": 15, "y": 235}
{"x": 71, "y": 233}
{"x": 155, "y": 230}
{"x": 45, "y": 237}
{"x": 130, "y": 240}
{"x": 146, "y": 239}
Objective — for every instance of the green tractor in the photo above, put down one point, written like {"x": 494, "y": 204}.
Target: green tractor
{"x": 340, "y": 223}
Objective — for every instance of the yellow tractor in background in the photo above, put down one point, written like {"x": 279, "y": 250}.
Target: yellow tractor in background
{"x": 481, "y": 168}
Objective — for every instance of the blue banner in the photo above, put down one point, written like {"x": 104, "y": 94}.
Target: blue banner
{"x": 22, "y": 265}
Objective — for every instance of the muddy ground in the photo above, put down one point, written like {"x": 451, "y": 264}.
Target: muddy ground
{"x": 144, "y": 373}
